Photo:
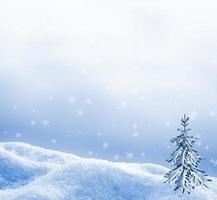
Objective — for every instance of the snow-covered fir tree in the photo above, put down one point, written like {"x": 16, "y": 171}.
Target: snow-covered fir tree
{"x": 185, "y": 174}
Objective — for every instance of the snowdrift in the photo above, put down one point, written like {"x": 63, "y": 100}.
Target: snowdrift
{"x": 32, "y": 173}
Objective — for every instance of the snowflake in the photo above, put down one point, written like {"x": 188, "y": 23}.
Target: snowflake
{"x": 33, "y": 110}
{"x": 123, "y": 104}
{"x": 53, "y": 141}
{"x": 193, "y": 115}
{"x": 70, "y": 64}
{"x": 167, "y": 123}
{"x": 99, "y": 134}
{"x": 32, "y": 123}
{"x": 119, "y": 108}
{"x": 116, "y": 157}
{"x": 145, "y": 57}
{"x": 105, "y": 145}
{"x": 113, "y": 124}
{"x": 136, "y": 92}
{"x": 212, "y": 113}
{"x": 18, "y": 135}
{"x": 190, "y": 69}
{"x": 175, "y": 101}
{"x": 135, "y": 134}
{"x": 135, "y": 126}
{"x": 51, "y": 98}
{"x": 80, "y": 113}
{"x": 92, "y": 40}
{"x": 142, "y": 154}
{"x": 129, "y": 155}
{"x": 45, "y": 123}
{"x": 206, "y": 147}
{"x": 182, "y": 96}
{"x": 15, "y": 107}
{"x": 90, "y": 153}
{"x": 80, "y": 132}
{"x": 71, "y": 100}
{"x": 88, "y": 101}
{"x": 5, "y": 132}
{"x": 214, "y": 162}
{"x": 84, "y": 72}
{"x": 96, "y": 60}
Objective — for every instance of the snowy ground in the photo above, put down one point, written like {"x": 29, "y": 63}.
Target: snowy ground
{"x": 33, "y": 173}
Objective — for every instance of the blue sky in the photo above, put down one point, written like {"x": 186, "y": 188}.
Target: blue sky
{"x": 109, "y": 79}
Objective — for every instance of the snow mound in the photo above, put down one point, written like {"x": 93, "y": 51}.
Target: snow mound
{"x": 33, "y": 173}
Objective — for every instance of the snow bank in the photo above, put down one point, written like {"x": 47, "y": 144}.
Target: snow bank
{"x": 33, "y": 173}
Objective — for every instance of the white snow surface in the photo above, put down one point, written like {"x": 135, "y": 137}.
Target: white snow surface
{"x": 33, "y": 173}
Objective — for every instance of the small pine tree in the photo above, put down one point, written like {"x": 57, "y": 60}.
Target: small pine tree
{"x": 185, "y": 160}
